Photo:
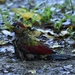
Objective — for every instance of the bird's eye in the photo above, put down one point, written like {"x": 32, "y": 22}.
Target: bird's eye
{"x": 17, "y": 26}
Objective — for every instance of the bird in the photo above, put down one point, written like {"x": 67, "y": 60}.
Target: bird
{"x": 28, "y": 47}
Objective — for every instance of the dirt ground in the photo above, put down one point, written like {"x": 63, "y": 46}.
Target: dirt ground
{"x": 10, "y": 65}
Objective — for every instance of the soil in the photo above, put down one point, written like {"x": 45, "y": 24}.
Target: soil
{"x": 10, "y": 65}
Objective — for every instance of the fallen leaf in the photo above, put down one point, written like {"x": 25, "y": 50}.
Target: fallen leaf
{"x": 55, "y": 45}
{"x": 63, "y": 33}
{"x": 2, "y": 1}
{"x": 48, "y": 36}
{"x": 18, "y": 10}
{"x": 6, "y": 32}
{"x": 28, "y": 15}
{"x": 32, "y": 71}
{"x": 8, "y": 48}
{"x": 73, "y": 51}
{"x": 2, "y": 42}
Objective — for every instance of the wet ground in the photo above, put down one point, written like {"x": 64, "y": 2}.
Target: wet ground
{"x": 10, "y": 65}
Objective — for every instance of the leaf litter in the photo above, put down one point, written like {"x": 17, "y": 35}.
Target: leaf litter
{"x": 35, "y": 67}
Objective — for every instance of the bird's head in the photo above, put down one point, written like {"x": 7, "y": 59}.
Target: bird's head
{"x": 18, "y": 25}
{"x": 18, "y": 28}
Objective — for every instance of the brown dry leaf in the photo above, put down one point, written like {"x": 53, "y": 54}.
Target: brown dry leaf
{"x": 72, "y": 27}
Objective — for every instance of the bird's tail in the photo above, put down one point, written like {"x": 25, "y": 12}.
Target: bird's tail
{"x": 59, "y": 57}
